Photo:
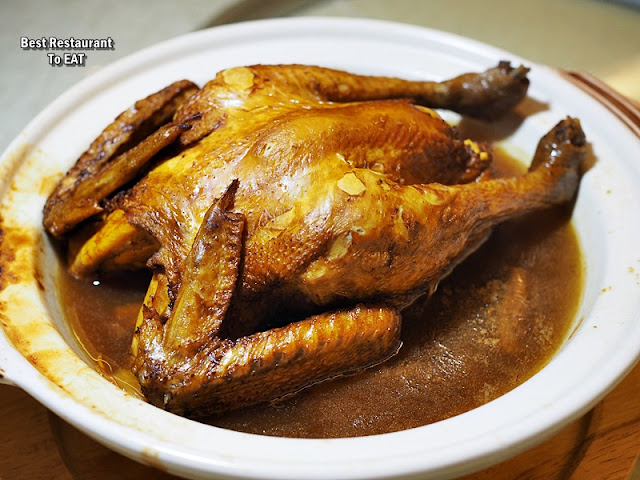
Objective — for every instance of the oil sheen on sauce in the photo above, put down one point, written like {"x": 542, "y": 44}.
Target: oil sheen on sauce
{"x": 492, "y": 324}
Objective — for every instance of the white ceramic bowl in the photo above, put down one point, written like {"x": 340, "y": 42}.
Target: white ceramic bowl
{"x": 35, "y": 351}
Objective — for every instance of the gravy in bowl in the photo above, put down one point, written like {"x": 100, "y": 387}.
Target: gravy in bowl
{"x": 492, "y": 324}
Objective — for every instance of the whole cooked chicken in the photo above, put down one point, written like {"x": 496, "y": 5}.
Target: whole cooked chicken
{"x": 288, "y": 214}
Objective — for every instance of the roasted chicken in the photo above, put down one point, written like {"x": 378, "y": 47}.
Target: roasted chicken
{"x": 289, "y": 213}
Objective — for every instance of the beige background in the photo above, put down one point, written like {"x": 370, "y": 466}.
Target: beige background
{"x": 601, "y": 37}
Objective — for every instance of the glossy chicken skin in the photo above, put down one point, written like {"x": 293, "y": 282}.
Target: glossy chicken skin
{"x": 375, "y": 241}
{"x": 297, "y": 174}
{"x": 300, "y": 193}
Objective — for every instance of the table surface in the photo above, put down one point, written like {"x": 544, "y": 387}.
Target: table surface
{"x": 602, "y": 445}
{"x": 599, "y": 37}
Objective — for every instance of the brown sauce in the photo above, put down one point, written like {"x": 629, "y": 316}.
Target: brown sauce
{"x": 491, "y": 325}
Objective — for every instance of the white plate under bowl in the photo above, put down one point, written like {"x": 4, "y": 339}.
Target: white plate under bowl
{"x": 605, "y": 344}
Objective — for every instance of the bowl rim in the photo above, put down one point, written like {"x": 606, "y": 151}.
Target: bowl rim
{"x": 190, "y": 452}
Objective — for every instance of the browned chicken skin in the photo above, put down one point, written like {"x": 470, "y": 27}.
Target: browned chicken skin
{"x": 306, "y": 193}
{"x": 117, "y": 154}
